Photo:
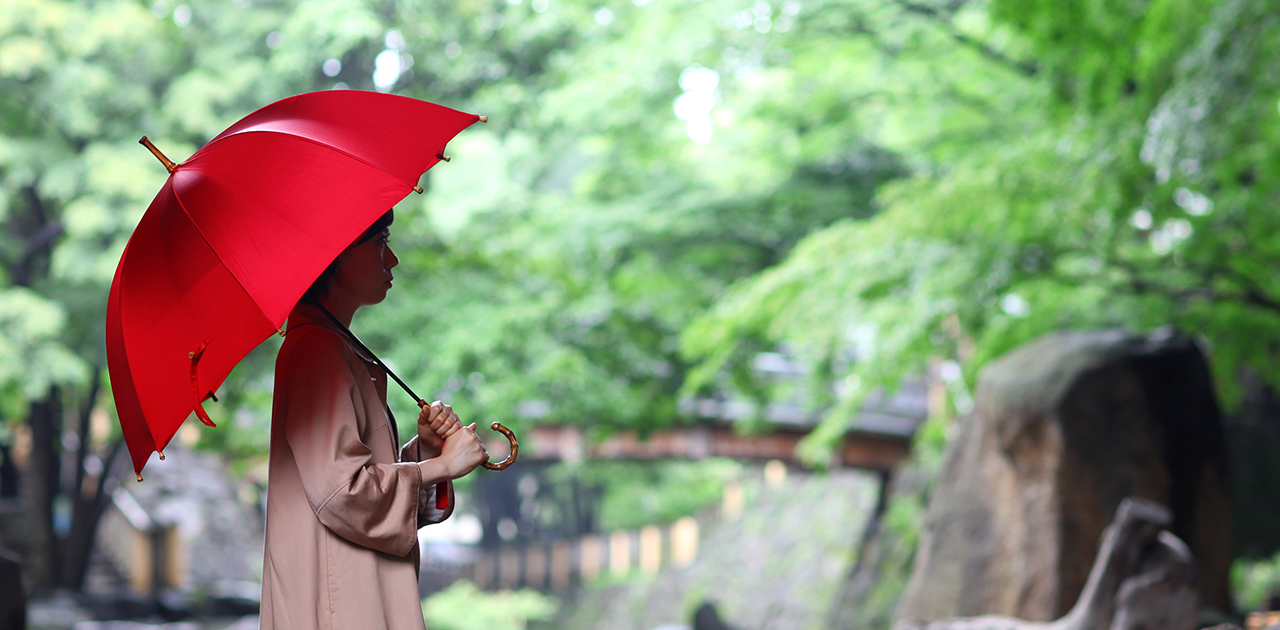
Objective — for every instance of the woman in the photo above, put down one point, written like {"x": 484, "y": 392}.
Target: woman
{"x": 344, "y": 501}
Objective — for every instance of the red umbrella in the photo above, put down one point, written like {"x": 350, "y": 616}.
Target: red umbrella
{"x": 238, "y": 233}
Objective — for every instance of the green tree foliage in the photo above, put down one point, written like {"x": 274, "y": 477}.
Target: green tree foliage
{"x": 573, "y": 248}
{"x": 1256, "y": 582}
{"x": 1117, "y": 174}
{"x": 462, "y": 606}
{"x": 635, "y": 494}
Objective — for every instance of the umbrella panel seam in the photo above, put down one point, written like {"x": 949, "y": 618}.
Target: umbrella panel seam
{"x": 317, "y": 143}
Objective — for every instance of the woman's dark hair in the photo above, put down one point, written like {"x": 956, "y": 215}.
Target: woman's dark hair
{"x": 321, "y": 284}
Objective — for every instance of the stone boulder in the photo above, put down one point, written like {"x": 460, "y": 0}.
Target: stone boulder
{"x": 1064, "y": 428}
{"x": 1144, "y": 578}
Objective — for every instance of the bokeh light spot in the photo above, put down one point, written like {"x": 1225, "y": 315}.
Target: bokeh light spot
{"x": 1141, "y": 220}
{"x": 394, "y": 39}
{"x": 699, "y": 98}
{"x": 386, "y": 70}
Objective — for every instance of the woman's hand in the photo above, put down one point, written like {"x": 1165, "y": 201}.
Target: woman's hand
{"x": 435, "y": 422}
{"x": 463, "y": 452}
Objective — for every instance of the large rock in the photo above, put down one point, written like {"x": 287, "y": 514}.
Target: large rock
{"x": 1143, "y": 578}
{"x": 1063, "y": 429}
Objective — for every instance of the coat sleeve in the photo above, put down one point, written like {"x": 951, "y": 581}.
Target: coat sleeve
{"x": 431, "y": 507}
{"x": 374, "y": 505}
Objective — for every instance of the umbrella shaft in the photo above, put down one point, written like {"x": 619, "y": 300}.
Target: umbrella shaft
{"x": 352, "y": 336}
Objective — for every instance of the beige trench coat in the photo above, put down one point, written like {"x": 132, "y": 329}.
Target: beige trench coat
{"x": 343, "y": 512}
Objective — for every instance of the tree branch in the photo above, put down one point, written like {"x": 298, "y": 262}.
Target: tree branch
{"x": 82, "y": 426}
{"x": 1251, "y": 294}
{"x": 42, "y": 239}
{"x": 964, "y": 39}
{"x": 36, "y": 243}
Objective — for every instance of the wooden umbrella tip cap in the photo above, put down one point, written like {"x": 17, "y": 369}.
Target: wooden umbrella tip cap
{"x": 483, "y": 119}
{"x": 139, "y": 477}
{"x": 168, "y": 164}
{"x": 161, "y": 455}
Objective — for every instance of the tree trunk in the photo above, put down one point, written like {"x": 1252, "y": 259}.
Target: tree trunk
{"x": 90, "y": 502}
{"x": 84, "y": 501}
{"x": 42, "y": 481}
{"x": 61, "y": 559}
{"x": 56, "y": 560}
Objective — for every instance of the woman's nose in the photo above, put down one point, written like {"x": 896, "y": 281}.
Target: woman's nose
{"x": 390, "y": 259}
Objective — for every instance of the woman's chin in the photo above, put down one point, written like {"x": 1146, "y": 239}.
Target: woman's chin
{"x": 379, "y": 297}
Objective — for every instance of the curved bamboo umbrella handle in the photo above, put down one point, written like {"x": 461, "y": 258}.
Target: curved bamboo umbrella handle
{"x": 515, "y": 448}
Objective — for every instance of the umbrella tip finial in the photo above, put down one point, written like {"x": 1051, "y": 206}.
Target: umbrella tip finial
{"x": 139, "y": 477}
{"x": 484, "y": 119}
{"x": 417, "y": 189}
{"x": 442, "y": 156}
{"x": 161, "y": 455}
{"x": 168, "y": 164}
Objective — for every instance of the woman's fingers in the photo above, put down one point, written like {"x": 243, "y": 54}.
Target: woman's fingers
{"x": 430, "y": 442}
{"x": 483, "y": 454}
{"x": 449, "y": 424}
{"x": 435, "y": 414}
{"x": 439, "y": 418}
{"x": 428, "y": 413}
{"x": 464, "y": 451}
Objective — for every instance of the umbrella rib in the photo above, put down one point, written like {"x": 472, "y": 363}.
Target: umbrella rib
{"x": 196, "y": 225}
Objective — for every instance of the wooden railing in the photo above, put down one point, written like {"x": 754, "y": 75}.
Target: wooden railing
{"x": 554, "y": 566}
{"x": 557, "y": 565}
{"x": 872, "y": 451}
{"x": 1261, "y": 620}
{"x": 150, "y": 553}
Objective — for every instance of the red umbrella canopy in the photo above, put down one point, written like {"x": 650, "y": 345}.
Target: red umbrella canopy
{"x": 238, "y": 233}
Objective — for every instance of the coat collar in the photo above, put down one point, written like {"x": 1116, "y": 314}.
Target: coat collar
{"x": 306, "y": 313}
{"x": 309, "y": 314}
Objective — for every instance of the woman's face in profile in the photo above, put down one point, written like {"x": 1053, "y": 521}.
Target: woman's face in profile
{"x": 364, "y": 270}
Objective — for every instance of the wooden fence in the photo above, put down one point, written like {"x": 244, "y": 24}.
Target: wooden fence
{"x": 557, "y": 565}
{"x": 151, "y": 554}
